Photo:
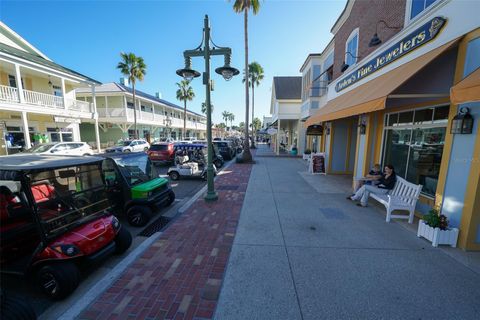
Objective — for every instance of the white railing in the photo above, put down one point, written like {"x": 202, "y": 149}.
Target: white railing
{"x": 78, "y": 105}
{"x": 9, "y": 94}
{"x": 144, "y": 115}
{"x": 112, "y": 112}
{"x": 42, "y": 99}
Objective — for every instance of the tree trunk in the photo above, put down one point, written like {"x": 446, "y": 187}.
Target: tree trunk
{"x": 247, "y": 156}
{"x": 253, "y": 114}
{"x": 135, "y": 135}
{"x": 184, "y": 119}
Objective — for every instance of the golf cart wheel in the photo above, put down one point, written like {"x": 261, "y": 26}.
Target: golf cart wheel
{"x": 58, "y": 280}
{"x": 174, "y": 175}
{"x": 171, "y": 198}
{"x": 217, "y": 163}
{"x": 127, "y": 150}
{"x": 123, "y": 240}
{"x": 138, "y": 216}
{"x": 16, "y": 307}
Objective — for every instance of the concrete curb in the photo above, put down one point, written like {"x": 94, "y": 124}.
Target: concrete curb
{"x": 107, "y": 280}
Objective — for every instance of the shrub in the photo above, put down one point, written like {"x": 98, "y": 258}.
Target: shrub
{"x": 307, "y": 151}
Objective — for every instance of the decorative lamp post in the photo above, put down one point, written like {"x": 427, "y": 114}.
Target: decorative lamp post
{"x": 168, "y": 123}
{"x": 204, "y": 50}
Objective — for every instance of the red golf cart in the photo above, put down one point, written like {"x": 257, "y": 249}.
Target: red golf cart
{"x": 54, "y": 216}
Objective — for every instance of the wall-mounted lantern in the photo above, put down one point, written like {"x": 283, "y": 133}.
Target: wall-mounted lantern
{"x": 327, "y": 128}
{"x": 462, "y": 123}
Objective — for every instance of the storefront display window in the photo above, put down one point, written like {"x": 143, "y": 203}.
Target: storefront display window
{"x": 415, "y": 149}
{"x": 60, "y": 134}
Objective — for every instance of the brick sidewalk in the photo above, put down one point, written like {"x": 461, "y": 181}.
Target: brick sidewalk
{"x": 180, "y": 275}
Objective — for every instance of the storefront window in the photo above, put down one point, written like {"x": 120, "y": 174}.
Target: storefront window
{"x": 415, "y": 149}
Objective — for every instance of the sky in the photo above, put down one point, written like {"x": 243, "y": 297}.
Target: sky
{"x": 88, "y": 36}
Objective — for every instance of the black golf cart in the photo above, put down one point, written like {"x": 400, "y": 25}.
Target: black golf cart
{"x": 134, "y": 187}
{"x": 55, "y": 216}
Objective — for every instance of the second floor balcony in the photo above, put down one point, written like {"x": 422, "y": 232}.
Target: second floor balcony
{"x": 146, "y": 117}
{"x": 43, "y": 100}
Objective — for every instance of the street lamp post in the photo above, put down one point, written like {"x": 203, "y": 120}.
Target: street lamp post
{"x": 167, "y": 122}
{"x": 188, "y": 74}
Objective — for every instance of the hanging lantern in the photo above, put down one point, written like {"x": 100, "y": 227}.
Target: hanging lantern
{"x": 462, "y": 123}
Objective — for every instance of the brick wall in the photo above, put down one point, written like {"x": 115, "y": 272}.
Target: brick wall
{"x": 364, "y": 15}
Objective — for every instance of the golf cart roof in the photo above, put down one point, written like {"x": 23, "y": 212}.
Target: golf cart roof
{"x": 27, "y": 162}
{"x": 121, "y": 155}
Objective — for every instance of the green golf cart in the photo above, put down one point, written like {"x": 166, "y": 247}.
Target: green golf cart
{"x": 134, "y": 188}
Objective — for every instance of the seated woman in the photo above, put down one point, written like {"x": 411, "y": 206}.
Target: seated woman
{"x": 385, "y": 184}
{"x": 371, "y": 178}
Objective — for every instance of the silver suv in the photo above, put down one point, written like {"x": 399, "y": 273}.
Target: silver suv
{"x": 138, "y": 145}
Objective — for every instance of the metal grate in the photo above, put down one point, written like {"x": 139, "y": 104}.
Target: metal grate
{"x": 227, "y": 187}
{"x": 156, "y": 226}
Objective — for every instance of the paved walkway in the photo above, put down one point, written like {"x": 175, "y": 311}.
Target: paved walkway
{"x": 179, "y": 276}
{"x": 302, "y": 251}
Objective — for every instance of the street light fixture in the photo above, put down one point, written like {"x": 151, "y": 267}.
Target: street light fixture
{"x": 168, "y": 123}
{"x": 204, "y": 50}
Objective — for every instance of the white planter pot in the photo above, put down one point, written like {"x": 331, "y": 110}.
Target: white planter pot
{"x": 306, "y": 156}
{"x": 437, "y": 236}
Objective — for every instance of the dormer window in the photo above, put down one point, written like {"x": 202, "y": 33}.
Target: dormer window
{"x": 351, "y": 48}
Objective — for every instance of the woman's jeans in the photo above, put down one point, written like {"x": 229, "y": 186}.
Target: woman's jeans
{"x": 363, "y": 193}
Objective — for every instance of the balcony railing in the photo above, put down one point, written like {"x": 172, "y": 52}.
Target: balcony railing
{"x": 78, "y": 105}
{"x": 159, "y": 119}
{"x": 8, "y": 94}
{"x": 43, "y": 99}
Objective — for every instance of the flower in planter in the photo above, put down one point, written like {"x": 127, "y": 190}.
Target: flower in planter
{"x": 436, "y": 220}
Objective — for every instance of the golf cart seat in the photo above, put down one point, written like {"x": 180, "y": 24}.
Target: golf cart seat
{"x": 43, "y": 191}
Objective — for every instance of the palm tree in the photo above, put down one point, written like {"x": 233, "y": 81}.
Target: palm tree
{"x": 244, "y": 6}
{"x": 241, "y": 126}
{"x": 204, "y": 108}
{"x": 256, "y": 124}
{"x": 225, "y": 115}
{"x": 185, "y": 93}
{"x": 135, "y": 69}
{"x": 231, "y": 117}
{"x": 255, "y": 73}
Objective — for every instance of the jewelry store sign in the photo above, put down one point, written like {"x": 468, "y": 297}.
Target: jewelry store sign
{"x": 411, "y": 42}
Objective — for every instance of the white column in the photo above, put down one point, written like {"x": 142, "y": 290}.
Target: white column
{"x": 106, "y": 106}
{"x": 125, "y": 105}
{"x": 18, "y": 79}
{"x": 26, "y": 132}
{"x": 95, "y": 115}
{"x": 278, "y": 139}
{"x": 139, "y": 115}
{"x": 62, "y": 81}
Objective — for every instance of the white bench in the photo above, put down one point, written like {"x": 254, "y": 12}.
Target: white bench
{"x": 403, "y": 196}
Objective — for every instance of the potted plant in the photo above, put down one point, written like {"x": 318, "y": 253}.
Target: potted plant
{"x": 306, "y": 154}
{"x": 434, "y": 228}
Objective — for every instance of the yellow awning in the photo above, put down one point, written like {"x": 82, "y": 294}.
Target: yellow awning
{"x": 467, "y": 90}
{"x": 372, "y": 95}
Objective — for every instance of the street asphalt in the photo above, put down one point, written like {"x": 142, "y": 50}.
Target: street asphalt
{"x": 302, "y": 251}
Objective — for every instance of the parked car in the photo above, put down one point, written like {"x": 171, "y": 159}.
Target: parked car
{"x": 62, "y": 148}
{"x": 134, "y": 188}
{"x": 162, "y": 152}
{"x": 226, "y": 149}
{"x": 138, "y": 145}
{"x": 55, "y": 215}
